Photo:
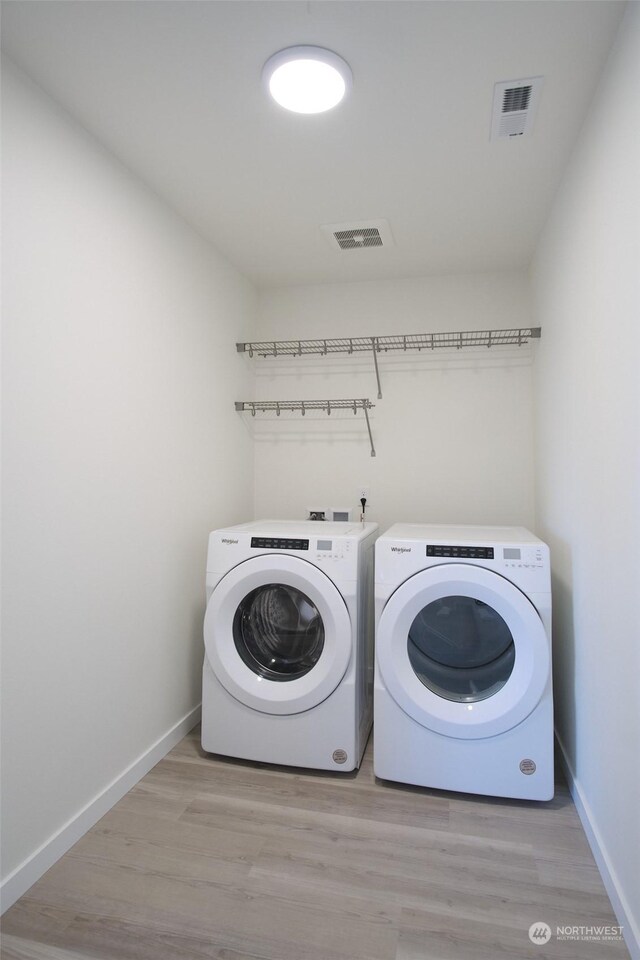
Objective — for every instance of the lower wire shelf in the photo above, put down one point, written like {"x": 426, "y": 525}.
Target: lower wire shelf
{"x": 302, "y": 406}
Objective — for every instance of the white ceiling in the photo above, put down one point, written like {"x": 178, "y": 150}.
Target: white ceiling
{"x": 173, "y": 89}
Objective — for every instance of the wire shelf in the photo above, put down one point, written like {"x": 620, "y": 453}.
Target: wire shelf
{"x": 302, "y": 406}
{"x": 458, "y": 340}
{"x": 411, "y": 341}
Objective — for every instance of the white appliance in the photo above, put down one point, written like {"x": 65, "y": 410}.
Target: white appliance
{"x": 288, "y": 633}
{"x": 463, "y": 695}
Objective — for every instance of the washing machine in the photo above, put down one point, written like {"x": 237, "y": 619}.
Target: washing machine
{"x": 288, "y": 635}
{"x": 463, "y": 694}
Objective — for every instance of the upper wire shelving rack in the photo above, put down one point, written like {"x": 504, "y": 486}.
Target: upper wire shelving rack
{"x": 458, "y": 340}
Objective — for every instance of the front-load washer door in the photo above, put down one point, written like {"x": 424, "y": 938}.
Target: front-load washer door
{"x": 277, "y": 634}
{"x": 463, "y": 651}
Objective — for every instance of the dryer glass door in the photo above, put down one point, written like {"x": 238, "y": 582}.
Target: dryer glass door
{"x": 463, "y": 651}
{"x": 461, "y": 648}
{"x": 278, "y": 632}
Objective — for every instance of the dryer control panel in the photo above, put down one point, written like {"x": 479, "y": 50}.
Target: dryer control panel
{"x": 512, "y": 552}
{"x": 524, "y": 557}
{"x": 476, "y": 553}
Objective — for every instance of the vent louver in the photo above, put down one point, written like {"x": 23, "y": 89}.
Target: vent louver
{"x": 514, "y": 105}
{"x": 352, "y": 239}
{"x": 516, "y": 98}
{"x": 358, "y": 236}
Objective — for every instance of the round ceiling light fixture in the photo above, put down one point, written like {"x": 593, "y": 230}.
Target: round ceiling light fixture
{"x": 307, "y": 79}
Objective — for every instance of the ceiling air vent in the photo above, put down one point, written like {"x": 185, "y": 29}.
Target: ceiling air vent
{"x": 514, "y": 106}
{"x": 358, "y": 236}
{"x": 350, "y": 239}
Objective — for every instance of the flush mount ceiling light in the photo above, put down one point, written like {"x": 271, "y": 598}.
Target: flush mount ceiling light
{"x": 307, "y": 79}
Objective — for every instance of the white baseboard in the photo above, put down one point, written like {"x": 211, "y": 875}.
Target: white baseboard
{"x": 24, "y": 876}
{"x": 607, "y": 871}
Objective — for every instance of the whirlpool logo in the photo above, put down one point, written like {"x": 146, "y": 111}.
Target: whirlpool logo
{"x": 227, "y": 540}
{"x": 401, "y": 549}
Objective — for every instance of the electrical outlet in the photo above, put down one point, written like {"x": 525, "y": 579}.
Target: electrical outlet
{"x": 363, "y": 492}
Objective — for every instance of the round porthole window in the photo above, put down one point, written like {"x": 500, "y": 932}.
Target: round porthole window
{"x": 461, "y": 649}
{"x": 278, "y": 632}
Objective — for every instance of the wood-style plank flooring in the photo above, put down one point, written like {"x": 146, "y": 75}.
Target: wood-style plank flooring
{"x": 215, "y": 858}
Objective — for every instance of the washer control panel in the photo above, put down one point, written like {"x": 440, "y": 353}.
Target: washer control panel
{"x": 319, "y": 550}
{"x": 328, "y": 551}
{"x": 278, "y": 543}
{"x": 527, "y": 558}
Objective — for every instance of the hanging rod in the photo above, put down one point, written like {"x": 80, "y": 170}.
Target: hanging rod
{"x": 301, "y": 406}
{"x": 516, "y": 336}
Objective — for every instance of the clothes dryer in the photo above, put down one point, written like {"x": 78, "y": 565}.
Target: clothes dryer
{"x": 288, "y": 632}
{"x": 463, "y": 692}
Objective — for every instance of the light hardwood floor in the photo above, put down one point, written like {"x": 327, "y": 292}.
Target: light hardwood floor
{"x": 214, "y": 858}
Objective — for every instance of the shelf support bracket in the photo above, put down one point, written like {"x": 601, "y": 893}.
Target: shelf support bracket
{"x": 366, "y": 416}
{"x": 375, "y": 363}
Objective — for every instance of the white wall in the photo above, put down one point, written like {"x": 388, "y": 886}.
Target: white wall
{"x": 453, "y": 431}
{"x": 586, "y": 282}
{"x": 120, "y": 374}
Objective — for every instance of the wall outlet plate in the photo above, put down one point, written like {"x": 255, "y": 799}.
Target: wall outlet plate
{"x": 341, "y": 514}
